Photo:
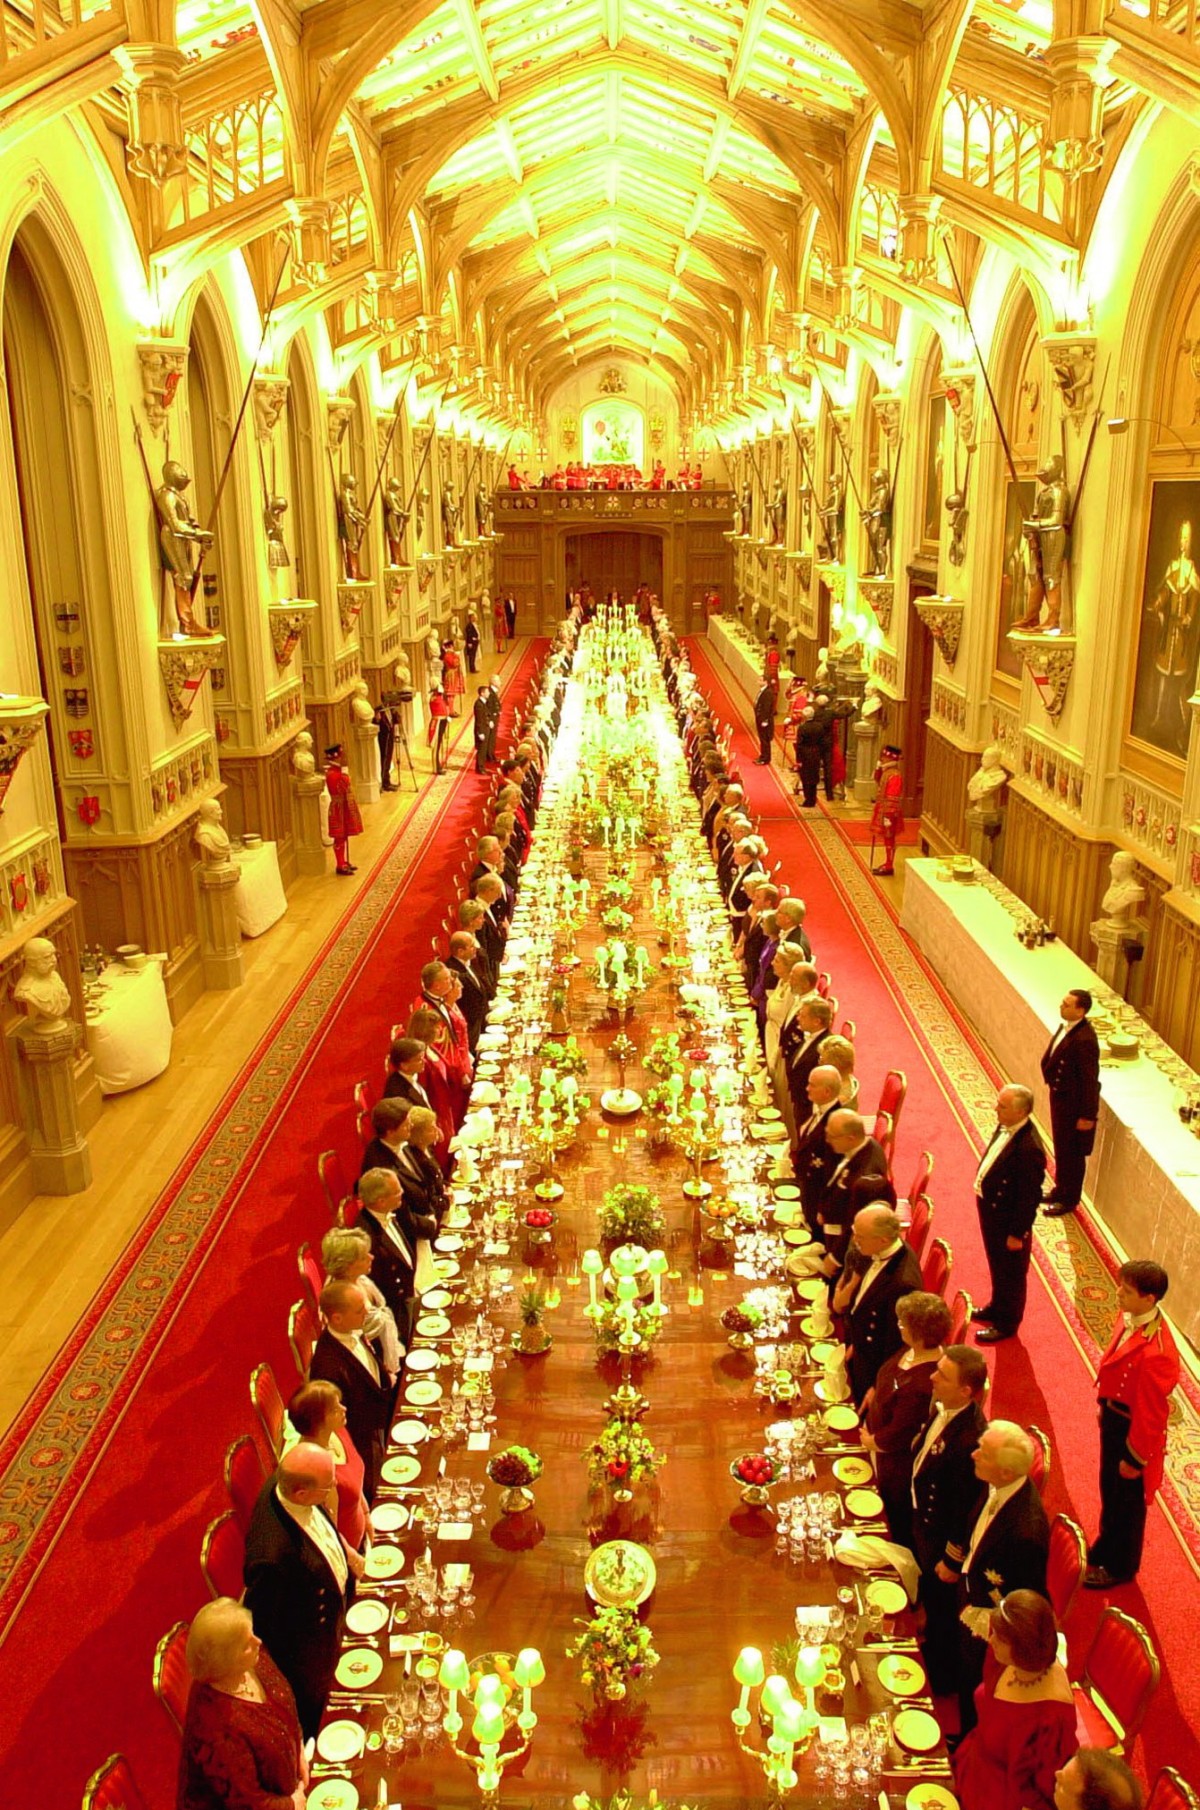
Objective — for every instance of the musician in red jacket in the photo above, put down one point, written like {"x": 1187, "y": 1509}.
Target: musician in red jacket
{"x": 1134, "y": 1383}
{"x": 887, "y": 819}
{"x": 345, "y": 818}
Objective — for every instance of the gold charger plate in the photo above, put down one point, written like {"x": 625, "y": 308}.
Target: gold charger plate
{"x": 389, "y": 1517}
{"x": 865, "y": 1503}
{"x": 436, "y": 1297}
{"x": 359, "y": 1668}
{"x": 797, "y": 1236}
{"x": 885, "y": 1593}
{"x": 333, "y": 1794}
{"x": 432, "y": 1326}
{"x": 340, "y": 1741}
{"x": 449, "y": 1241}
{"x": 840, "y": 1419}
{"x": 786, "y": 1191}
{"x": 423, "y": 1393}
{"x": 930, "y": 1796}
{"x": 854, "y": 1470}
{"x": 367, "y": 1615}
{"x": 902, "y": 1674}
{"x": 421, "y": 1360}
{"x": 917, "y": 1730}
{"x": 400, "y": 1469}
{"x": 409, "y": 1432}
{"x": 768, "y": 1131}
{"x": 786, "y": 1212}
{"x": 385, "y": 1561}
{"x": 619, "y": 1573}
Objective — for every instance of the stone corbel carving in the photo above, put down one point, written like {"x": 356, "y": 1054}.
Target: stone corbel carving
{"x": 21, "y": 721}
{"x": 352, "y": 594}
{"x": 1049, "y": 659}
{"x": 918, "y": 237}
{"x": 802, "y": 567}
{"x": 156, "y": 151}
{"x": 309, "y": 219}
{"x": 887, "y": 410}
{"x": 1080, "y": 72}
{"x": 183, "y": 665}
{"x": 339, "y": 411}
{"x": 287, "y": 625}
{"x": 880, "y": 594}
{"x": 943, "y": 617}
{"x": 426, "y": 571}
{"x": 163, "y": 365}
{"x": 1072, "y": 358}
{"x": 270, "y": 397}
{"x": 961, "y": 395}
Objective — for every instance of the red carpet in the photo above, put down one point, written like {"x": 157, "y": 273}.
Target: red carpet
{"x": 75, "y": 1668}
{"x": 1042, "y": 1378}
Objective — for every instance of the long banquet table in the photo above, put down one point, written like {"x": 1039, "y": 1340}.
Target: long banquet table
{"x": 721, "y": 1583}
{"x": 1144, "y": 1178}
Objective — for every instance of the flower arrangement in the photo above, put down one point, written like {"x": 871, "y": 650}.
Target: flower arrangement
{"x": 664, "y": 1055}
{"x": 614, "y": 1651}
{"x": 516, "y": 1467}
{"x": 617, "y": 921}
{"x": 617, "y": 890}
{"x": 609, "y": 1324}
{"x": 624, "y": 1800}
{"x": 564, "y": 1055}
{"x": 630, "y": 1214}
{"x": 622, "y": 1455}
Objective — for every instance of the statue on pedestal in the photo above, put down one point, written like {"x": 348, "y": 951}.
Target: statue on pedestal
{"x": 180, "y": 541}
{"x": 1046, "y": 535}
{"x": 743, "y": 509}
{"x": 395, "y": 521}
{"x": 878, "y": 520}
{"x": 352, "y": 525}
{"x": 450, "y": 514}
{"x": 361, "y": 707}
{"x": 41, "y": 991}
{"x": 989, "y": 776}
{"x": 833, "y": 517}
{"x": 1125, "y": 892}
{"x": 777, "y": 513}
{"x": 211, "y": 837}
{"x": 481, "y": 512}
{"x": 278, "y": 556}
{"x": 956, "y": 509}
{"x": 304, "y": 763}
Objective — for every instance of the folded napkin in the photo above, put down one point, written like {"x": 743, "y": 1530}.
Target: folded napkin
{"x": 867, "y": 1552}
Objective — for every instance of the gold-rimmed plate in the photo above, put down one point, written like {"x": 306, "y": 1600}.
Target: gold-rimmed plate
{"x": 359, "y": 1668}
{"x": 917, "y": 1730}
{"x": 902, "y": 1674}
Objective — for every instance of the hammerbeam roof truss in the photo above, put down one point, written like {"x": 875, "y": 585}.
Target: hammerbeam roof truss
{"x": 647, "y": 176}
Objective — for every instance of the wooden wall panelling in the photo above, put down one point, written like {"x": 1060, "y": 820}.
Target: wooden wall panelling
{"x": 144, "y": 892}
{"x": 258, "y": 798}
{"x": 947, "y": 770}
{"x": 1173, "y": 958}
{"x": 1059, "y": 872}
{"x": 328, "y": 723}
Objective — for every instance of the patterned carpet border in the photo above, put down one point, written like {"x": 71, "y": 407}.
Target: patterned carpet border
{"x": 1072, "y": 1257}
{"x": 53, "y": 1443}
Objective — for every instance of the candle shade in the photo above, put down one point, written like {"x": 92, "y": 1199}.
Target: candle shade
{"x": 791, "y": 1721}
{"x": 810, "y": 1667}
{"x": 454, "y": 1674}
{"x": 530, "y": 1668}
{"x": 488, "y": 1726}
{"x": 748, "y": 1667}
{"x": 657, "y": 1263}
{"x": 591, "y": 1263}
{"x": 775, "y": 1694}
{"x": 627, "y": 1288}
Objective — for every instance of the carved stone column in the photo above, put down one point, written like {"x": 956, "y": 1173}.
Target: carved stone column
{"x": 864, "y": 736}
{"x": 311, "y": 854}
{"x": 1112, "y": 942}
{"x": 59, "y": 1153}
{"x": 984, "y": 824}
{"x": 364, "y": 761}
{"x": 220, "y": 935}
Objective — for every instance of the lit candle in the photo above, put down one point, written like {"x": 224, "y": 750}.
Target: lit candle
{"x": 592, "y": 1264}
{"x": 656, "y": 1263}
{"x": 528, "y": 1672}
{"x": 454, "y": 1675}
{"x": 749, "y": 1672}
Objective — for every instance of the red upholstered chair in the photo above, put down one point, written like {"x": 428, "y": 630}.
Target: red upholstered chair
{"x": 920, "y": 1182}
{"x": 884, "y": 1132}
{"x": 849, "y": 1029}
{"x": 245, "y": 1474}
{"x": 312, "y": 1277}
{"x": 1065, "y": 1566}
{"x": 172, "y": 1680}
{"x": 223, "y": 1556}
{"x": 111, "y": 1787}
{"x": 891, "y": 1095}
{"x": 935, "y": 1270}
{"x": 1041, "y": 1458}
{"x": 1120, "y": 1675}
{"x": 823, "y": 985}
{"x": 268, "y": 1404}
{"x": 350, "y": 1209}
{"x": 960, "y": 1317}
{"x": 363, "y": 1100}
{"x": 920, "y": 1224}
{"x": 304, "y": 1329}
{"x": 333, "y": 1181}
{"x": 1172, "y": 1792}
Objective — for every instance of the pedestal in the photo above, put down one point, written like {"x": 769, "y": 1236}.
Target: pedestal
{"x": 864, "y": 736}
{"x": 984, "y": 824}
{"x": 364, "y": 761}
{"x": 306, "y": 825}
{"x": 58, "y": 1150}
{"x": 1111, "y": 942}
{"x": 220, "y": 932}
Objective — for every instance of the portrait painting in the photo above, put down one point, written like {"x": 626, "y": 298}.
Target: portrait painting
{"x": 1014, "y": 572}
{"x": 935, "y": 434}
{"x": 1168, "y": 625}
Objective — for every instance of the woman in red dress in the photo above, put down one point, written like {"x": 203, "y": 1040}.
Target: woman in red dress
{"x": 453, "y": 683}
{"x": 1026, "y": 1727}
{"x": 319, "y": 1415}
{"x": 500, "y": 625}
{"x": 345, "y": 818}
{"x": 441, "y": 1081}
{"x": 896, "y": 1408}
{"x": 241, "y": 1735}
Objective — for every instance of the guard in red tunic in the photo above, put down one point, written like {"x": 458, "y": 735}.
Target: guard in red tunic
{"x": 1134, "y": 1382}
{"x": 439, "y": 723}
{"x": 887, "y": 819}
{"x": 345, "y": 818}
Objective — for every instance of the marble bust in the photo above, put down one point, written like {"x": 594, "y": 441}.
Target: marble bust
{"x": 402, "y": 673}
{"x": 303, "y": 763}
{"x": 1125, "y": 892}
{"x": 988, "y": 777}
{"x": 872, "y": 702}
{"x": 212, "y": 838}
{"x": 41, "y": 990}
{"x": 361, "y": 707}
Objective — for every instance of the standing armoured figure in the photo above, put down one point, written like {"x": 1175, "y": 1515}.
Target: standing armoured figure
{"x": 1174, "y": 604}
{"x": 833, "y": 516}
{"x": 395, "y": 521}
{"x": 878, "y": 518}
{"x": 352, "y": 525}
{"x": 1046, "y": 533}
{"x": 277, "y": 553}
{"x": 180, "y": 540}
{"x": 777, "y": 512}
{"x": 449, "y": 514}
{"x": 481, "y": 512}
{"x": 746, "y": 506}
{"x": 956, "y": 509}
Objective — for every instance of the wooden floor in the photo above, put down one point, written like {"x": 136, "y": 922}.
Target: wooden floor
{"x": 58, "y": 1252}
